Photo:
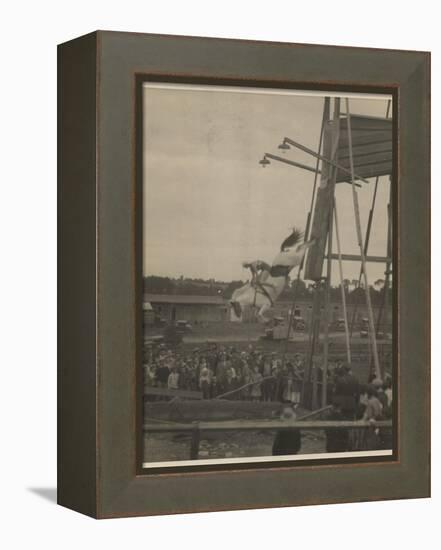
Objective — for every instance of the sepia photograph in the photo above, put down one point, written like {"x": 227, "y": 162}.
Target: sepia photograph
{"x": 245, "y": 306}
{"x": 220, "y": 234}
{"x": 268, "y": 297}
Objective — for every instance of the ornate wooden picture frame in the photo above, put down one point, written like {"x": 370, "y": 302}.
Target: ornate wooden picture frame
{"x": 102, "y": 467}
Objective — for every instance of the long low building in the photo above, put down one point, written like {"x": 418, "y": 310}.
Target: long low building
{"x": 187, "y": 307}
{"x": 206, "y": 309}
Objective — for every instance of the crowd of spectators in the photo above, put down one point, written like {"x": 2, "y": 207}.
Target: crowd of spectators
{"x": 247, "y": 375}
{"x": 368, "y": 402}
{"x": 257, "y": 375}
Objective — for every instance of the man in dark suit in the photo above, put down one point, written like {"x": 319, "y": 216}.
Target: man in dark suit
{"x": 346, "y": 392}
{"x": 288, "y": 441}
{"x": 337, "y": 439}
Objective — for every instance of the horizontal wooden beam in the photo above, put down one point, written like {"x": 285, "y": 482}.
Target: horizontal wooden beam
{"x": 369, "y": 159}
{"x": 367, "y": 123}
{"x": 166, "y": 392}
{"x": 303, "y": 166}
{"x": 291, "y": 162}
{"x": 268, "y": 425}
{"x": 357, "y": 258}
{"x": 368, "y": 149}
{"x": 322, "y": 158}
{"x": 362, "y": 138}
{"x": 377, "y": 170}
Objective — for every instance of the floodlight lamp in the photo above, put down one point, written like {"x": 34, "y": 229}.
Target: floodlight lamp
{"x": 264, "y": 162}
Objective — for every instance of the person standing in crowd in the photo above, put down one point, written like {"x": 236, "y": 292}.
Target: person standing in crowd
{"x": 212, "y": 360}
{"x": 292, "y": 385}
{"x": 162, "y": 374}
{"x": 337, "y": 439}
{"x": 386, "y": 434}
{"x": 173, "y": 379}
{"x": 204, "y": 381}
{"x": 230, "y": 378}
{"x": 193, "y": 381}
{"x": 388, "y": 393}
{"x": 381, "y": 396}
{"x": 149, "y": 375}
{"x": 346, "y": 392}
{"x": 237, "y": 364}
{"x": 213, "y": 384}
{"x": 374, "y": 408}
{"x": 287, "y": 383}
{"x": 246, "y": 379}
{"x": 373, "y": 412}
{"x": 298, "y": 363}
{"x": 256, "y": 379}
{"x": 297, "y": 385}
{"x": 221, "y": 373}
{"x": 278, "y": 378}
{"x": 267, "y": 383}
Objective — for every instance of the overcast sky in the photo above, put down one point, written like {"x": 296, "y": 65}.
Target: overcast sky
{"x": 209, "y": 205}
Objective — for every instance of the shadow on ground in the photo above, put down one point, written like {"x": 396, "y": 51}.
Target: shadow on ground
{"x": 48, "y": 493}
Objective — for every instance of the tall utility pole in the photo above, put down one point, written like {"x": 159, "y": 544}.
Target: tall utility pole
{"x": 332, "y": 176}
{"x": 325, "y": 193}
{"x": 321, "y": 231}
{"x": 372, "y": 335}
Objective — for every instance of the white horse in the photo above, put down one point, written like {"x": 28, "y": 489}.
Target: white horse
{"x": 268, "y": 282}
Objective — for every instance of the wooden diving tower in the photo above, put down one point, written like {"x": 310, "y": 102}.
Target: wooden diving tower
{"x": 353, "y": 149}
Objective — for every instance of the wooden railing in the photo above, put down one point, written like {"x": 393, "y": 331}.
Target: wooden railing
{"x": 196, "y": 428}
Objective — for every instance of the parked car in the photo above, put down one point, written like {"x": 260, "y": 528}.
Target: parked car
{"x": 183, "y": 327}
{"x": 279, "y": 328}
{"x": 298, "y": 323}
{"x": 153, "y": 341}
{"x": 364, "y": 330}
{"x": 338, "y": 325}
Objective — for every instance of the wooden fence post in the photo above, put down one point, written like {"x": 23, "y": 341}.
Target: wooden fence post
{"x": 195, "y": 438}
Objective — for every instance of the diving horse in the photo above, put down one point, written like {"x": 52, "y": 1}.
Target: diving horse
{"x": 268, "y": 281}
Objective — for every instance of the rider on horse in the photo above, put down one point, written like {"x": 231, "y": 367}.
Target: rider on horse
{"x": 267, "y": 282}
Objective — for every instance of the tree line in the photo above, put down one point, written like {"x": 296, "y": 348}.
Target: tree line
{"x": 354, "y": 290}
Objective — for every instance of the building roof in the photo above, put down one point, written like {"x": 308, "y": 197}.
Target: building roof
{"x": 189, "y": 299}
{"x": 184, "y": 299}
